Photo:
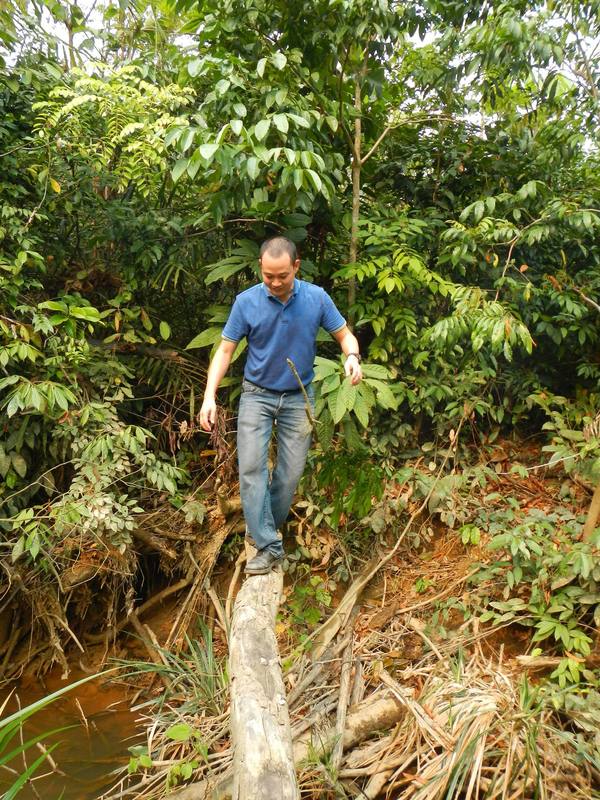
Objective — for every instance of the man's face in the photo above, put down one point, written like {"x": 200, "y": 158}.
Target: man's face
{"x": 278, "y": 274}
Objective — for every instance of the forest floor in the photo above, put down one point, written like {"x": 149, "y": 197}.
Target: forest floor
{"x": 466, "y": 707}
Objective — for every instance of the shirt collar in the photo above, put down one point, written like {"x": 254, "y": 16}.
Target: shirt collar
{"x": 295, "y": 290}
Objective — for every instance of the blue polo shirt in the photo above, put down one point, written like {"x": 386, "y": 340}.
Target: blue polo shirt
{"x": 277, "y": 331}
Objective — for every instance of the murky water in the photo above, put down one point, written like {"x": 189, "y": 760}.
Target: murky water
{"x": 89, "y": 751}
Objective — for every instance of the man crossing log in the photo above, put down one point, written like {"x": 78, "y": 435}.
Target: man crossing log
{"x": 280, "y": 318}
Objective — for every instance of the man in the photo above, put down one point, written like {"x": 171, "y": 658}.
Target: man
{"x": 280, "y": 318}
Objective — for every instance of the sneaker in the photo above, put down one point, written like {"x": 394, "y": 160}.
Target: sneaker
{"x": 263, "y": 562}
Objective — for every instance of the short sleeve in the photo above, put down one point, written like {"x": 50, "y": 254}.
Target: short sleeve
{"x": 236, "y": 326}
{"x": 331, "y": 319}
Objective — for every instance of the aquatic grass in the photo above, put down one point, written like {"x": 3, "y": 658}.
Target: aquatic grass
{"x": 13, "y": 725}
{"x": 195, "y": 675}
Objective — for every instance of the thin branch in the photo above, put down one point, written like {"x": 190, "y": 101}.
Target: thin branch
{"x": 378, "y": 141}
{"x": 592, "y": 303}
{"x": 401, "y": 123}
{"x": 309, "y": 414}
{"x": 343, "y": 126}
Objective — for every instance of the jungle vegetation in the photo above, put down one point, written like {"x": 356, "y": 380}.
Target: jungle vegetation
{"x": 437, "y": 164}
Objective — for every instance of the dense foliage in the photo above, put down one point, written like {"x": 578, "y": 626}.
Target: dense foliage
{"x": 437, "y": 164}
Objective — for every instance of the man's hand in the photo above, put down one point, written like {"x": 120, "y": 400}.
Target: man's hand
{"x": 353, "y": 370}
{"x": 349, "y": 344}
{"x": 208, "y": 413}
{"x": 218, "y": 367}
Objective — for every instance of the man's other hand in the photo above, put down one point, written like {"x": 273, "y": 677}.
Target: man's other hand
{"x": 208, "y": 414}
{"x": 353, "y": 370}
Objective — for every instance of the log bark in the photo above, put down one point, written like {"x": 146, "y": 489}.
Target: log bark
{"x": 263, "y": 759}
{"x": 373, "y": 714}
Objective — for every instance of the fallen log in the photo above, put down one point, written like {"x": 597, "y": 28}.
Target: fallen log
{"x": 263, "y": 762}
{"x": 374, "y": 714}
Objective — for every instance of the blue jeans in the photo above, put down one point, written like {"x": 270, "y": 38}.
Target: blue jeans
{"x": 266, "y": 500}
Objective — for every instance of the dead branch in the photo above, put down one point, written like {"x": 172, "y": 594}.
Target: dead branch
{"x": 340, "y": 724}
{"x": 228, "y": 505}
{"x": 154, "y": 653}
{"x": 98, "y": 638}
{"x": 232, "y": 584}
{"x": 374, "y": 714}
{"x": 154, "y": 543}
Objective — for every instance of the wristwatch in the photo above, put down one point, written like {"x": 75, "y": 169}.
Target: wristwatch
{"x": 356, "y": 356}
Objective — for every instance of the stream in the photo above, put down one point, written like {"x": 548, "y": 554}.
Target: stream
{"x": 100, "y": 729}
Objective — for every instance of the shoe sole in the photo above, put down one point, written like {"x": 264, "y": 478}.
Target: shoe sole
{"x": 266, "y": 571}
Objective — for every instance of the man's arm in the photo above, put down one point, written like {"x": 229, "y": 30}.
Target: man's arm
{"x": 349, "y": 344}
{"x": 216, "y": 371}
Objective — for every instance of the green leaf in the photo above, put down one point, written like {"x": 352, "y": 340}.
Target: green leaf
{"x": 325, "y": 430}
{"x": 262, "y": 128}
{"x": 194, "y": 164}
{"x": 376, "y": 371}
{"x": 206, "y": 338}
{"x": 252, "y": 167}
{"x": 300, "y": 121}
{"x": 278, "y": 60}
{"x": 260, "y": 67}
{"x": 281, "y": 122}
{"x": 324, "y": 367}
{"x": 195, "y": 66}
{"x": 5, "y": 462}
{"x": 186, "y": 139}
{"x": 14, "y": 404}
{"x": 54, "y": 305}
{"x": 361, "y": 409}
{"x": 61, "y": 398}
{"x": 18, "y": 549}
{"x": 9, "y": 381}
{"x": 53, "y": 71}
{"x": 224, "y": 269}
{"x": 180, "y": 732}
{"x": 344, "y": 399}
{"x": 172, "y": 136}
{"x": 385, "y": 396}
{"x": 165, "y": 330}
{"x": 330, "y": 383}
{"x": 179, "y": 168}
{"x": 34, "y": 547}
{"x": 208, "y": 150}
{"x": 222, "y": 86}
{"x": 19, "y": 464}
{"x": 315, "y": 179}
{"x": 87, "y": 313}
{"x": 236, "y": 126}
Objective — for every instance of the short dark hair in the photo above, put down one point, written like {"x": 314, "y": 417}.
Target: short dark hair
{"x": 278, "y": 245}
